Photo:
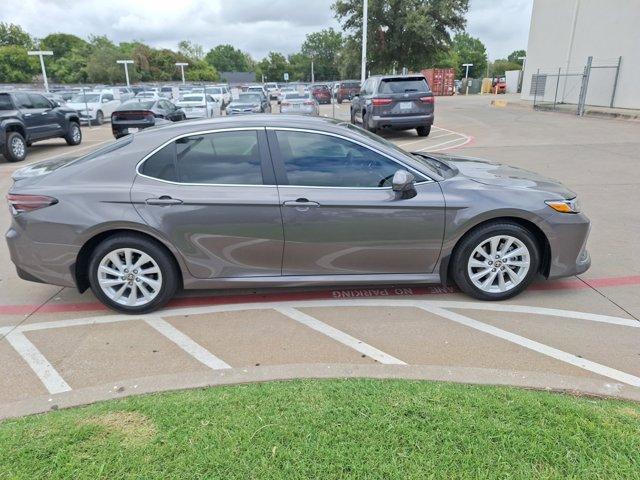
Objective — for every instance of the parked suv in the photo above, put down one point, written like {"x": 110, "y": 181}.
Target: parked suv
{"x": 399, "y": 102}
{"x": 27, "y": 117}
{"x": 347, "y": 89}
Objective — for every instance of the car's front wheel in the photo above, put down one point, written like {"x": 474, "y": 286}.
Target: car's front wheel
{"x": 496, "y": 261}
{"x": 132, "y": 274}
{"x": 15, "y": 147}
{"x": 424, "y": 131}
{"x": 99, "y": 118}
{"x": 74, "y": 134}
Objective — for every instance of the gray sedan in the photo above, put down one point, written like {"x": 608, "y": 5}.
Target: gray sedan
{"x": 261, "y": 201}
{"x": 300, "y": 103}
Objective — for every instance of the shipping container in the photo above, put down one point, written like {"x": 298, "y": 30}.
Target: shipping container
{"x": 441, "y": 80}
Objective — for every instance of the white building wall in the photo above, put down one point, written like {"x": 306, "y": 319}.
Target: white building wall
{"x": 564, "y": 33}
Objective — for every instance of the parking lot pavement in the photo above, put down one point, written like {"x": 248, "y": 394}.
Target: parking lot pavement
{"x": 61, "y": 348}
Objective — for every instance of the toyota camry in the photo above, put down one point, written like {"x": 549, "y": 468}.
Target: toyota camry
{"x": 260, "y": 201}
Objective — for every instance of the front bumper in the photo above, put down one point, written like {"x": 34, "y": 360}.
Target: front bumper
{"x": 568, "y": 235}
{"x": 402, "y": 122}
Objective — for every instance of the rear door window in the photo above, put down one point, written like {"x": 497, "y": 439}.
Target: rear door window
{"x": 223, "y": 158}
{"x": 403, "y": 85}
{"x": 23, "y": 100}
{"x": 5, "y": 102}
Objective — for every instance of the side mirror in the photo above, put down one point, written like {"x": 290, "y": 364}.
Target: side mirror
{"x": 403, "y": 183}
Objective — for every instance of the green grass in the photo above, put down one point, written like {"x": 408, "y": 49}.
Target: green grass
{"x": 364, "y": 429}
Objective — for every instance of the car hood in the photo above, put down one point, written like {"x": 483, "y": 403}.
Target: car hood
{"x": 499, "y": 175}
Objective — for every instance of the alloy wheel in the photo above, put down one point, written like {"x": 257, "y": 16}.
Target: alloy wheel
{"x": 18, "y": 147}
{"x": 75, "y": 134}
{"x": 499, "y": 264}
{"x": 129, "y": 277}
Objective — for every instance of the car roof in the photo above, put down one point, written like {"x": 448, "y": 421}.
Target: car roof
{"x": 389, "y": 77}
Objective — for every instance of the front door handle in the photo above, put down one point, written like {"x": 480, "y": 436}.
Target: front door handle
{"x": 300, "y": 202}
{"x": 164, "y": 200}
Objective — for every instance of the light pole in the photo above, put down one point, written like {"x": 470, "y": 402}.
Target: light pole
{"x": 126, "y": 68}
{"x": 365, "y": 22}
{"x": 466, "y": 75}
{"x": 182, "y": 65}
{"x": 41, "y": 54}
{"x": 313, "y": 78}
{"x": 524, "y": 63}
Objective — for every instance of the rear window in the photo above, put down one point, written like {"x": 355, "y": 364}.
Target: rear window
{"x": 135, "y": 105}
{"x": 5, "y": 102}
{"x": 350, "y": 84}
{"x": 403, "y": 85}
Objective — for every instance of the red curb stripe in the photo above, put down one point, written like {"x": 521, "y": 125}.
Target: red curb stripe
{"x": 336, "y": 294}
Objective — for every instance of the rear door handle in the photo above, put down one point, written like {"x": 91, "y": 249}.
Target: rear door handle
{"x": 300, "y": 202}
{"x": 164, "y": 200}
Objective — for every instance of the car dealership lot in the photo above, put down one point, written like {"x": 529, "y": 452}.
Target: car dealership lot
{"x": 63, "y": 348}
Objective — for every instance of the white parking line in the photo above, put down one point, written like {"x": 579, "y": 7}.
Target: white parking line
{"x": 535, "y": 346}
{"x": 432, "y": 147}
{"x": 187, "y": 344}
{"x": 48, "y": 375}
{"x": 339, "y": 336}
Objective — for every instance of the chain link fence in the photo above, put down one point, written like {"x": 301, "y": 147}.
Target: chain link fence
{"x": 572, "y": 90}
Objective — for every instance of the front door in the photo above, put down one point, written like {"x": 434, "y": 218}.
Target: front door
{"x": 340, "y": 214}
{"x": 32, "y": 116}
{"x": 213, "y": 196}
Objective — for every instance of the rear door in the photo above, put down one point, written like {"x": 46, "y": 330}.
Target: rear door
{"x": 402, "y": 97}
{"x": 32, "y": 116}
{"x": 340, "y": 214}
{"x": 213, "y": 196}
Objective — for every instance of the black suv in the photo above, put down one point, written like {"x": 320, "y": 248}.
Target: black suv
{"x": 399, "y": 102}
{"x": 26, "y": 117}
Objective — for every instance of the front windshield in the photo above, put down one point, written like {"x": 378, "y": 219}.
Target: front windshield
{"x": 431, "y": 166}
{"x": 214, "y": 90}
{"x": 85, "y": 97}
{"x": 249, "y": 97}
{"x": 193, "y": 98}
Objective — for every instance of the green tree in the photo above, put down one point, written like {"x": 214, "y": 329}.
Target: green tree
{"x": 273, "y": 67}
{"x": 513, "y": 56}
{"x": 11, "y": 34}
{"x": 299, "y": 68}
{"x": 200, "y": 71}
{"x": 16, "y": 66}
{"x": 324, "y": 48}
{"x": 101, "y": 65}
{"x": 403, "y": 33}
{"x": 499, "y": 66}
{"x": 465, "y": 49}
{"x": 191, "y": 50}
{"x": 226, "y": 58}
{"x": 69, "y": 61}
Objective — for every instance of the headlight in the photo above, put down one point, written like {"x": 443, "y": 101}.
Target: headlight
{"x": 565, "y": 206}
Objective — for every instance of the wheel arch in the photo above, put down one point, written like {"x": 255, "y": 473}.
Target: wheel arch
{"x": 81, "y": 266}
{"x": 15, "y": 127}
{"x": 541, "y": 239}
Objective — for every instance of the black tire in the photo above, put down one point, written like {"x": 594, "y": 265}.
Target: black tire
{"x": 15, "y": 147}
{"x": 474, "y": 238}
{"x": 99, "y": 118}
{"x": 424, "y": 131}
{"x": 339, "y": 100}
{"x": 353, "y": 117}
{"x": 366, "y": 124}
{"x": 169, "y": 271}
{"x": 74, "y": 134}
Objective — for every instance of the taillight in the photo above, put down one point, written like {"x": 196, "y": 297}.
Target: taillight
{"x": 28, "y": 203}
{"x": 377, "y": 102}
{"x": 430, "y": 100}
{"x": 148, "y": 115}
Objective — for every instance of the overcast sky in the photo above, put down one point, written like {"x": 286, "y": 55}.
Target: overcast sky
{"x": 256, "y": 26}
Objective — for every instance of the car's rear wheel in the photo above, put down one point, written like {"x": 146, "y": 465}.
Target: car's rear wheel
{"x": 132, "y": 274}
{"x": 74, "y": 134}
{"x": 424, "y": 131}
{"x": 367, "y": 123}
{"x": 353, "y": 117}
{"x": 15, "y": 147}
{"x": 496, "y": 261}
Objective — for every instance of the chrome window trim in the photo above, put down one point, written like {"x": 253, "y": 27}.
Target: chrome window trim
{"x": 257, "y": 129}
{"x": 190, "y": 134}
{"x": 331, "y": 134}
